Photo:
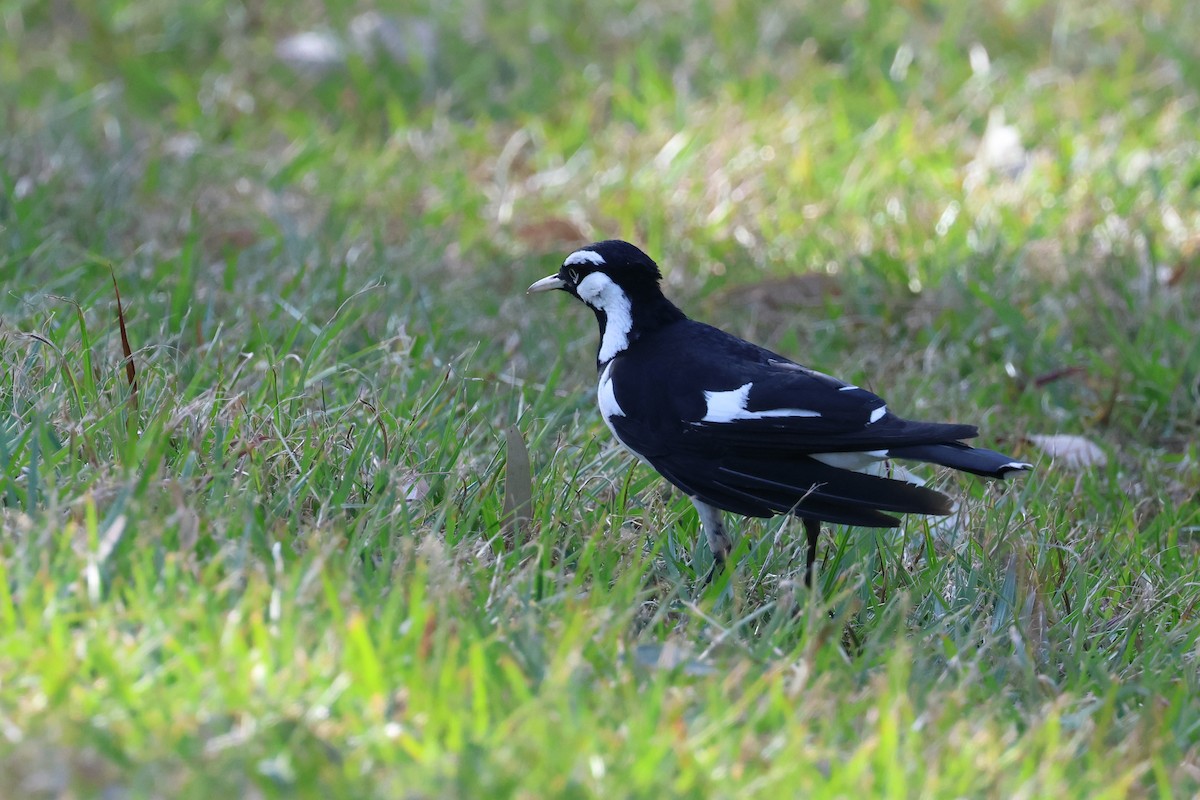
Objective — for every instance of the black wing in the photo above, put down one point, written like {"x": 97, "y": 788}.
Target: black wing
{"x": 749, "y": 431}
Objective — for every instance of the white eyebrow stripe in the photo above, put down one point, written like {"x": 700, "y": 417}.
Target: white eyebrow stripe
{"x": 730, "y": 405}
{"x": 584, "y": 257}
{"x": 850, "y": 388}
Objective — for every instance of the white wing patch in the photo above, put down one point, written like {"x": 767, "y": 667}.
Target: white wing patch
{"x": 870, "y": 462}
{"x": 584, "y": 257}
{"x": 599, "y": 291}
{"x": 847, "y": 388}
{"x": 853, "y": 461}
{"x": 877, "y": 414}
{"x": 731, "y": 405}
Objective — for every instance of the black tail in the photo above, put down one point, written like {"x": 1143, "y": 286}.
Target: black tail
{"x": 807, "y": 488}
{"x": 978, "y": 461}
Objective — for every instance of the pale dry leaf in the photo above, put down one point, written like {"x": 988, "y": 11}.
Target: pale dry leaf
{"x": 412, "y": 485}
{"x": 312, "y": 53}
{"x": 671, "y": 655}
{"x": 1000, "y": 149}
{"x": 1069, "y": 450}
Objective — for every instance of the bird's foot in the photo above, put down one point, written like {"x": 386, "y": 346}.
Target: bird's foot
{"x": 720, "y": 556}
{"x": 718, "y": 541}
{"x": 718, "y": 566}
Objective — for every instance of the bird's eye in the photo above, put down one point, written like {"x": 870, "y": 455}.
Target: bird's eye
{"x": 573, "y": 275}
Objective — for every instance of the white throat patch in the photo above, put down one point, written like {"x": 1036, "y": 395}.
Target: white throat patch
{"x": 600, "y": 292}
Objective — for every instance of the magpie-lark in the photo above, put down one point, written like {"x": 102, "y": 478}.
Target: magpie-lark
{"x": 742, "y": 429}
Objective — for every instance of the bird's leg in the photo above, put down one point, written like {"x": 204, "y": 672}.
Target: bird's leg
{"x": 812, "y": 527}
{"x": 714, "y": 530}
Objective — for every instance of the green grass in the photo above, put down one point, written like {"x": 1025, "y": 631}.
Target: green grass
{"x": 281, "y": 567}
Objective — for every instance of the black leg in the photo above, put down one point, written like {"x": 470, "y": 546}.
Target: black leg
{"x": 714, "y": 532}
{"x": 718, "y": 566}
{"x": 812, "y": 527}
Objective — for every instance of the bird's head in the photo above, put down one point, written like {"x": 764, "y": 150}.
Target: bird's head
{"x": 594, "y": 272}
{"x": 620, "y": 284}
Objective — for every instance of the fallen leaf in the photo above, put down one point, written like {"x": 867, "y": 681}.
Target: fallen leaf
{"x": 670, "y": 656}
{"x": 1072, "y": 452}
{"x": 412, "y": 486}
{"x": 1000, "y": 151}
{"x": 312, "y": 53}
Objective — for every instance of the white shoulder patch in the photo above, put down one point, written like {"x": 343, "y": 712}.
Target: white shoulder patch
{"x": 730, "y": 405}
{"x": 607, "y": 396}
{"x": 584, "y": 257}
{"x": 877, "y": 414}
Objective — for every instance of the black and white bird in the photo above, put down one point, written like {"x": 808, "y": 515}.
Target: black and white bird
{"x": 739, "y": 428}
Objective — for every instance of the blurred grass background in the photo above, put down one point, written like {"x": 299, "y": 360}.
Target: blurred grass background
{"x": 278, "y": 568}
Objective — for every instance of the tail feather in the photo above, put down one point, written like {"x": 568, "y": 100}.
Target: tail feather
{"x": 810, "y": 507}
{"x": 956, "y": 455}
{"x": 807, "y": 485}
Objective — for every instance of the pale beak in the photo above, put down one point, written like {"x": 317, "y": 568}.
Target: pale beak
{"x": 546, "y": 284}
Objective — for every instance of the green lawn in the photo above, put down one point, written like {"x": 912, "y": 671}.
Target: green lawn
{"x": 280, "y": 567}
